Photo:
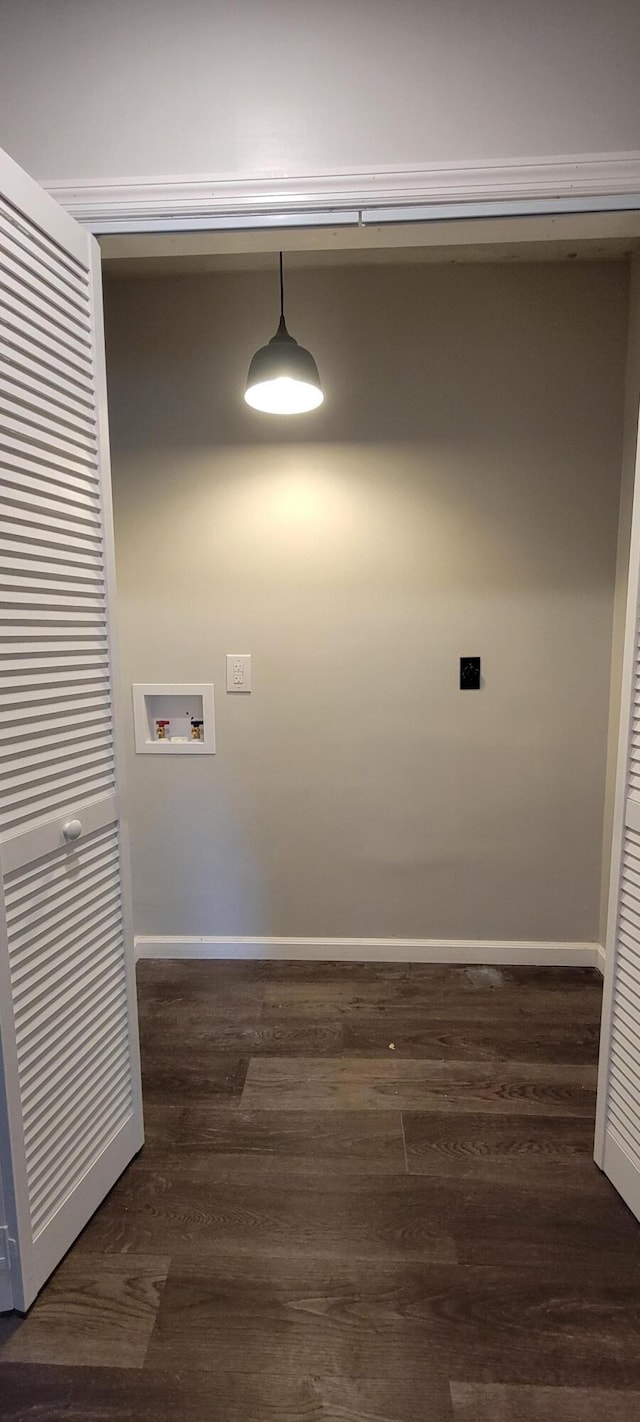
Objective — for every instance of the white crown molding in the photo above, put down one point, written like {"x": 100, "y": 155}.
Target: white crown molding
{"x": 124, "y": 204}
{"x": 374, "y": 950}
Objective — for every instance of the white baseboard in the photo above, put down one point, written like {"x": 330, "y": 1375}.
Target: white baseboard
{"x": 376, "y": 950}
{"x": 601, "y": 958}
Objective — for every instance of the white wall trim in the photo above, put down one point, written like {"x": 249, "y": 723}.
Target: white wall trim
{"x": 381, "y": 950}
{"x": 133, "y": 204}
{"x": 601, "y": 958}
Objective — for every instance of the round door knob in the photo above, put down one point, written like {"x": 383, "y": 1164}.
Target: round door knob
{"x": 71, "y": 830}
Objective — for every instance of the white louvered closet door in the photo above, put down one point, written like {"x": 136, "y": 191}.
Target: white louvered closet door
{"x": 617, "y": 1146}
{"x": 70, "y": 1099}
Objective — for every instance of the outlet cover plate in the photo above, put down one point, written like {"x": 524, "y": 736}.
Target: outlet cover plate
{"x": 470, "y": 674}
{"x": 239, "y": 671}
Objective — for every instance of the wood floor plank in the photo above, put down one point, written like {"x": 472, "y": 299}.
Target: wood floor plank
{"x": 61, "y": 1394}
{"x": 554, "y": 979}
{"x": 549, "y": 1039}
{"x": 438, "y": 976}
{"x": 95, "y": 1311}
{"x": 238, "y": 1035}
{"x": 576, "y": 1227}
{"x": 388, "y": 1083}
{"x": 297, "y": 1317}
{"x": 305, "y": 1142}
{"x": 186, "y": 1204}
{"x": 534, "y": 1151}
{"x": 435, "y": 994}
{"x": 420, "y": 1397}
{"x": 195, "y": 1072}
{"x": 162, "y": 1125}
{"x": 476, "y": 1403}
{"x": 182, "y": 992}
{"x": 183, "y": 976}
{"x": 401, "y": 1320}
{"x": 444, "y": 980}
{"x": 197, "y": 1214}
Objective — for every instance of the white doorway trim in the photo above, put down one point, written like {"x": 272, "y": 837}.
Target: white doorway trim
{"x": 569, "y": 183}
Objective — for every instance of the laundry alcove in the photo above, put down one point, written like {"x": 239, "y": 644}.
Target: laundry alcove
{"x": 466, "y": 489}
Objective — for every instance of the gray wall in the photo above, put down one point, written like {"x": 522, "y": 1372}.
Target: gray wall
{"x": 457, "y": 493}
{"x": 110, "y": 89}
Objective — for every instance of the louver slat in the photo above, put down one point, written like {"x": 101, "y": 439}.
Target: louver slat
{"x": 44, "y": 479}
{"x": 68, "y": 1108}
{"x": 59, "y": 1040}
{"x": 38, "y": 761}
{"x": 39, "y": 399}
{"x": 41, "y": 249}
{"x": 45, "y": 364}
{"x": 18, "y": 297}
{"x": 104, "y": 1116}
{"x": 59, "y": 541}
{"x": 21, "y": 364}
{"x": 79, "y": 729}
{"x": 41, "y": 335}
{"x": 88, "y": 711}
{"x": 57, "y": 560}
{"x": 34, "y": 959}
{"x": 38, "y": 289}
{"x": 47, "y": 429}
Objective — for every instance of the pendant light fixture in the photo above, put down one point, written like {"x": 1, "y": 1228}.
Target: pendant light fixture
{"x": 283, "y": 377}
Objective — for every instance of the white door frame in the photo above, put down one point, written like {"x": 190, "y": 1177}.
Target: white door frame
{"x": 380, "y": 197}
{"x": 600, "y": 183}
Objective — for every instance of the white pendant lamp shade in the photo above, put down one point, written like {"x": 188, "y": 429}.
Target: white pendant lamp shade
{"x": 283, "y": 377}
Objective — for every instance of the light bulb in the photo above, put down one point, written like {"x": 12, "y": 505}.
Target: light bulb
{"x": 284, "y": 396}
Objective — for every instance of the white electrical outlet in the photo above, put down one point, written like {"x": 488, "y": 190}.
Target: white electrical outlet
{"x": 238, "y": 671}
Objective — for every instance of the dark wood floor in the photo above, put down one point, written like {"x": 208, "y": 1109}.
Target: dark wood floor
{"x": 367, "y": 1195}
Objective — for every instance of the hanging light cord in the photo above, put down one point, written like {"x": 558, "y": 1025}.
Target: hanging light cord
{"x": 281, "y": 291}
